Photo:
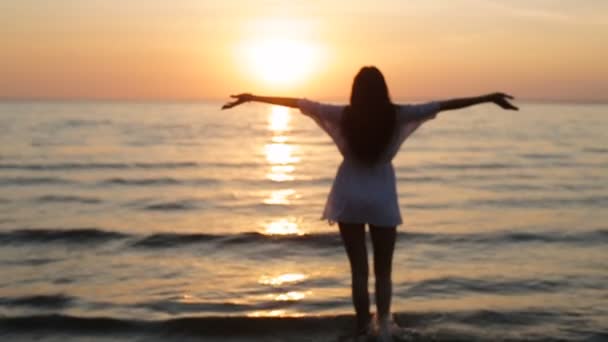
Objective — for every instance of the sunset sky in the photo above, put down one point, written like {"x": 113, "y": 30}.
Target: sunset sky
{"x": 198, "y": 49}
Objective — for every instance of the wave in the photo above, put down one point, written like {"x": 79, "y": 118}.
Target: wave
{"x": 544, "y": 156}
{"x": 173, "y": 306}
{"x": 117, "y": 181}
{"x": 96, "y": 166}
{"x": 588, "y": 237}
{"x": 24, "y": 181}
{"x": 67, "y": 199}
{"x": 156, "y": 181}
{"x": 29, "y": 261}
{"x": 600, "y": 201}
{"x": 329, "y": 240}
{"x": 169, "y": 240}
{"x": 456, "y": 286}
{"x": 221, "y": 326}
{"x": 473, "y": 166}
{"x": 473, "y": 325}
{"x": 57, "y": 301}
{"x": 522, "y": 203}
{"x": 85, "y": 122}
{"x": 598, "y": 150}
{"x": 231, "y": 165}
{"x": 171, "y": 206}
{"x": 48, "y": 235}
{"x": 419, "y": 179}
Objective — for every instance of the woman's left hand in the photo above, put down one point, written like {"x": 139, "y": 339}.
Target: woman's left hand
{"x": 501, "y": 100}
{"x": 240, "y": 99}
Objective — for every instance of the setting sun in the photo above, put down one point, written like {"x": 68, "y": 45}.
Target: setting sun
{"x": 282, "y": 62}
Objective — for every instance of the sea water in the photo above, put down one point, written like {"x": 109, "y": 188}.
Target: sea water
{"x": 133, "y": 219}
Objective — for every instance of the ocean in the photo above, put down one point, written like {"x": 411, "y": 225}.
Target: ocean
{"x": 177, "y": 221}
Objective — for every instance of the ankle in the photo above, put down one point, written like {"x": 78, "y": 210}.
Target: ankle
{"x": 364, "y": 322}
{"x": 386, "y": 317}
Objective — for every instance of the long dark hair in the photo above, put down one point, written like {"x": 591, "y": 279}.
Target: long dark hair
{"x": 368, "y": 123}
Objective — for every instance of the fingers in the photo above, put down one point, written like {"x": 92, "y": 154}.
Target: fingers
{"x": 232, "y": 104}
{"x": 505, "y": 95}
{"x": 503, "y": 101}
{"x": 229, "y": 105}
{"x": 510, "y": 106}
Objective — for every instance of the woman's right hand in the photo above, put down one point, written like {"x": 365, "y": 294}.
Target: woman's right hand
{"x": 240, "y": 99}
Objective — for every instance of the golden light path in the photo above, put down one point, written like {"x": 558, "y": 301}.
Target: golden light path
{"x": 282, "y": 197}
{"x": 278, "y": 120}
{"x": 282, "y": 279}
{"x": 281, "y": 173}
{"x": 283, "y": 227}
{"x": 279, "y": 155}
{"x": 274, "y": 313}
{"x": 291, "y": 296}
{"x": 282, "y": 162}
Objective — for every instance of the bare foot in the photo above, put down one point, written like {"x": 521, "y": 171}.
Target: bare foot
{"x": 390, "y": 331}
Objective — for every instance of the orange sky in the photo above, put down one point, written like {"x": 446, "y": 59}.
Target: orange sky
{"x": 196, "y": 49}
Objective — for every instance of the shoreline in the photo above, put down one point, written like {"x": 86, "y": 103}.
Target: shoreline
{"x": 426, "y": 327}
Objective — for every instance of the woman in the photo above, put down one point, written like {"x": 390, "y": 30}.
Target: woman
{"x": 368, "y": 133}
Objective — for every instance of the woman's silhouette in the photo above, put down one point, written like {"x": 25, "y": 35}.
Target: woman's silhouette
{"x": 368, "y": 132}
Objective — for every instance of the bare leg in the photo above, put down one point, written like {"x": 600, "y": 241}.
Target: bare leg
{"x": 353, "y": 237}
{"x": 383, "y": 240}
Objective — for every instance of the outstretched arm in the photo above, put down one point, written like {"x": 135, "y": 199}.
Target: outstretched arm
{"x": 500, "y": 99}
{"x": 281, "y": 101}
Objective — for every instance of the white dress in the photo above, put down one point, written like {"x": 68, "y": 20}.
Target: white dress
{"x": 362, "y": 193}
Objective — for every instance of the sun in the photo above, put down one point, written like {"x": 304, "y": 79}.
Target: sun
{"x": 281, "y": 62}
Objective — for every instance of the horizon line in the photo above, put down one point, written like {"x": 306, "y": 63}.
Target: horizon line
{"x": 202, "y": 99}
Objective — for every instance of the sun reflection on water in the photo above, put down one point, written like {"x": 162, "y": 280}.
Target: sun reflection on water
{"x": 279, "y": 119}
{"x": 279, "y": 139}
{"x": 267, "y": 313}
{"x": 281, "y": 173}
{"x": 282, "y": 227}
{"x": 281, "y": 197}
{"x": 280, "y": 154}
{"x": 187, "y": 298}
{"x": 291, "y": 296}
{"x": 274, "y": 313}
{"x": 281, "y": 160}
{"x": 286, "y": 278}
